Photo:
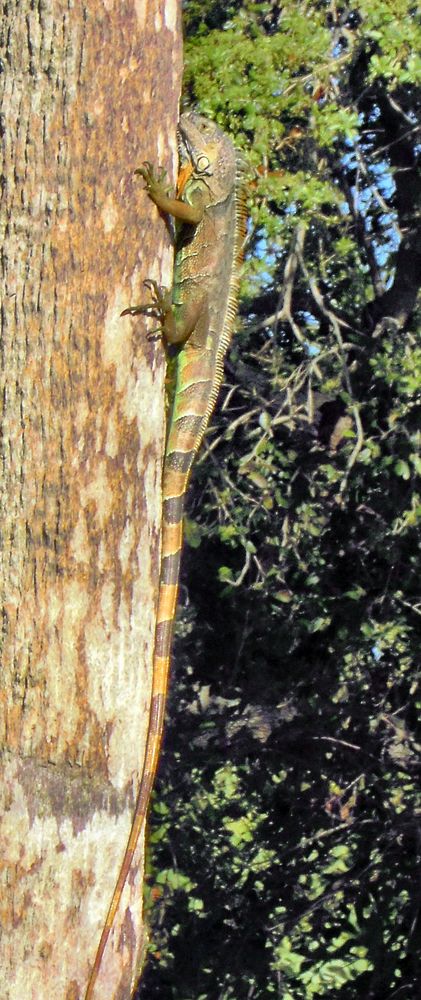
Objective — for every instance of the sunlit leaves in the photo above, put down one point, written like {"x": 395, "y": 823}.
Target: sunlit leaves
{"x": 289, "y": 844}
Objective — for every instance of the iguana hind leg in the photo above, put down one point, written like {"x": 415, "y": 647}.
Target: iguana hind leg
{"x": 161, "y": 308}
{"x": 176, "y": 323}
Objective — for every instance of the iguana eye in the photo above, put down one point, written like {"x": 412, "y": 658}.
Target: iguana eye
{"x": 202, "y": 164}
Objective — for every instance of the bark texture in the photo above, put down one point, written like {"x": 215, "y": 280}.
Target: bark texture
{"x": 89, "y": 92}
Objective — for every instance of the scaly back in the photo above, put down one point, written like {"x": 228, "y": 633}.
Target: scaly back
{"x": 207, "y": 275}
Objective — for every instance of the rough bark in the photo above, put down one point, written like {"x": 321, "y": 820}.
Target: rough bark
{"x": 89, "y": 92}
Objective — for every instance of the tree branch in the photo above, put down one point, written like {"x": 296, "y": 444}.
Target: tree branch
{"x": 398, "y": 302}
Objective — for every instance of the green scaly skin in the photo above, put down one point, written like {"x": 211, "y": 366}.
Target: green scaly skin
{"x": 198, "y": 319}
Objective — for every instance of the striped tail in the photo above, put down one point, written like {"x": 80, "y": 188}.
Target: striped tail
{"x": 172, "y": 538}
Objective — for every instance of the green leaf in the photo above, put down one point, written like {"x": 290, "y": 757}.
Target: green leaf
{"x": 193, "y": 533}
{"x": 402, "y": 469}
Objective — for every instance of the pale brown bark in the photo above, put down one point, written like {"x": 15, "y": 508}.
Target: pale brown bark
{"x": 89, "y": 92}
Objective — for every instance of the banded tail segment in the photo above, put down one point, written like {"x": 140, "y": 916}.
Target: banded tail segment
{"x": 171, "y": 551}
{"x": 177, "y": 468}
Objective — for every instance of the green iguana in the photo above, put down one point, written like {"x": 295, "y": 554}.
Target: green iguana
{"x": 210, "y": 228}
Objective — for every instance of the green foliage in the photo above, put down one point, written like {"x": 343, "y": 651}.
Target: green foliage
{"x": 394, "y": 29}
{"x": 286, "y": 828}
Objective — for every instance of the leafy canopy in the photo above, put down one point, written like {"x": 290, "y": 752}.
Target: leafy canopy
{"x": 286, "y": 827}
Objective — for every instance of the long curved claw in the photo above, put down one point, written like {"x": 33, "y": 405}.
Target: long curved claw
{"x": 145, "y": 171}
{"x": 155, "y": 182}
{"x": 155, "y": 334}
{"x": 153, "y": 286}
{"x": 138, "y": 311}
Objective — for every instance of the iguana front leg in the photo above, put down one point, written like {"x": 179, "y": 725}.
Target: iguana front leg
{"x": 158, "y": 191}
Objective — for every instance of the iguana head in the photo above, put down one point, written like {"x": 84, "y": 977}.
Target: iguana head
{"x": 207, "y": 155}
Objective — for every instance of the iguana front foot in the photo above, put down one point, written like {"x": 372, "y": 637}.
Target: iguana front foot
{"x": 157, "y": 185}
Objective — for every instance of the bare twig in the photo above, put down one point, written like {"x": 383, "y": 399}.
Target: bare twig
{"x": 377, "y": 194}
{"x": 336, "y": 323}
{"x": 244, "y": 571}
{"x": 363, "y": 237}
{"x": 283, "y": 312}
{"x": 332, "y": 739}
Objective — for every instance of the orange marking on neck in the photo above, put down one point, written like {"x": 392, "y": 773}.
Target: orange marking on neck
{"x": 183, "y": 176}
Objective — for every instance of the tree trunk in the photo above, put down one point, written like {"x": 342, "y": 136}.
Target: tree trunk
{"x": 89, "y": 92}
